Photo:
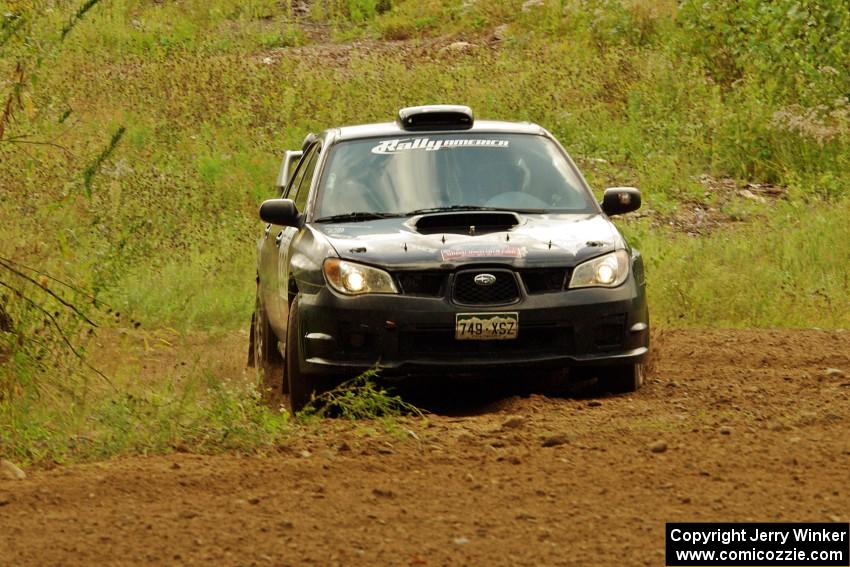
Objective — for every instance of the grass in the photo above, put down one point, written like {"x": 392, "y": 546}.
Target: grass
{"x": 224, "y": 303}
{"x": 203, "y": 414}
{"x": 170, "y": 392}
{"x": 165, "y": 392}
{"x": 786, "y": 270}
{"x": 159, "y": 221}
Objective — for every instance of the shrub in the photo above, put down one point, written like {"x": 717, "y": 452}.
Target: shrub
{"x": 804, "y": 45}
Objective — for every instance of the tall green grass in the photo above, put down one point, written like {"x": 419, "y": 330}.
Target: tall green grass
{"x": 203, "y": 412}
{"x": 633, "y": 89}
{"x": 201, "y": 408}
{"x": 788, "y": 270}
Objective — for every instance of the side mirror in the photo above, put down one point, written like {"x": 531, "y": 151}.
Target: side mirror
{"x": 619, "y": 200}
{"x": 280, "y": 212}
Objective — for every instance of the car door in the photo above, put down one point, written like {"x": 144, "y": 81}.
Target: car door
{"x": 299, "y": 192}
{"x": 268, "y": 258}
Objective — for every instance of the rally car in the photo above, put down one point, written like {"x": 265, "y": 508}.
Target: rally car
{"x": 439, "y": 244}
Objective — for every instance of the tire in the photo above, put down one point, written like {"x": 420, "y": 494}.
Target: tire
{"x": 301, "y": 386}
{"x": 621, "y": 379}
{"x": 266, "y": 358}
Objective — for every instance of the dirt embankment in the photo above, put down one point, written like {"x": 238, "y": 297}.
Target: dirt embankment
{"x": 733, "y": 425}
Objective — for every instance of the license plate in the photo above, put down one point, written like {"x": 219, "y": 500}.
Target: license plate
{"x": 486, "y": 326}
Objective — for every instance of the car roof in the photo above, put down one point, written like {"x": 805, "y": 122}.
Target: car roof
{"x": 393, "y": 129}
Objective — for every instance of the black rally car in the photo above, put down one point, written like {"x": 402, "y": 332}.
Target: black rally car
{"x": 441, "y": 244}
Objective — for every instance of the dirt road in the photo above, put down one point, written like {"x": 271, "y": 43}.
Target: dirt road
{"x": 754, "y": 429}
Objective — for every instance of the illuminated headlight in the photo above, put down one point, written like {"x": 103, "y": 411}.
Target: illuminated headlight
{"x": 609, "y": 270}
{"x": 351, "y": 278}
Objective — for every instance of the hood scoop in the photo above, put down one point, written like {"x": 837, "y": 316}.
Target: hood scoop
{"x": 471, "y": 223}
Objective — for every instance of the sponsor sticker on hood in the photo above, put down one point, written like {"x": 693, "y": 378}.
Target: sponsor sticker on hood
{"x": 487, "y": 252}
{"x": 408, "y": 144}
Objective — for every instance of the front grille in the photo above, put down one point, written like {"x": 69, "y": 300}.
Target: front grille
{"x": 503, "y": 291}
{"x": 426, "y": 284}
{"x": 545, "y": 280}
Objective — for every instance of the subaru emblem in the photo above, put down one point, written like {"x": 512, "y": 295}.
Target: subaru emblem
{"x": 485, "y": 279}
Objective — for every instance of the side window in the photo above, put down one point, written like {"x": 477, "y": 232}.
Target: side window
{"x": 306, "y": 178}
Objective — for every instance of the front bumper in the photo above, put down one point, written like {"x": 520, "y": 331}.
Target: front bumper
{"x": 404, "y": 335}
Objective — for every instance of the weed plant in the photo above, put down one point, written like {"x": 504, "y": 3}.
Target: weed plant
{"x": 359, "y": 398}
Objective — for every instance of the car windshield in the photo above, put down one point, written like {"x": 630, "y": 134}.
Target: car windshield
{"x": 420, "y": 173}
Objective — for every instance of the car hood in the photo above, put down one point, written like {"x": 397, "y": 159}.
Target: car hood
{"x": 536, "y": 240}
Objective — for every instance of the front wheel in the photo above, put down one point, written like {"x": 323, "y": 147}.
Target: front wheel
{"x": 301, "y": 386}
{"x": 622, "y": 378}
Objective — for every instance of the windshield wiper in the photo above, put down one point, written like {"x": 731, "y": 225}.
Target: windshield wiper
{"x": 450, "y": 208}
{"x": 471, "y": 208}
{"x": 357, "y": 216}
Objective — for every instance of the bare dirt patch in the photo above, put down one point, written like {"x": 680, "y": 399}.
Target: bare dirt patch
{"x": 725, "y": 203}
{"x": 734, "y": 425}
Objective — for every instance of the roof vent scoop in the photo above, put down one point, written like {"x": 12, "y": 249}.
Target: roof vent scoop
{"x": 435, "y": 117}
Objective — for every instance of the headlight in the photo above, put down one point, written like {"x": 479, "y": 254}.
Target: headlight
{"x": 351, "y": 278}
{"x": 609, "y": 270}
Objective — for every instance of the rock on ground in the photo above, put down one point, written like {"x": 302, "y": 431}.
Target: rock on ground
{"x": 11, "y": 471}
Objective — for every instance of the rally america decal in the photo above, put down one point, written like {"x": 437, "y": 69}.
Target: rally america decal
{"x": 408, "y": 144}
{"x": 488, "y": 252}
